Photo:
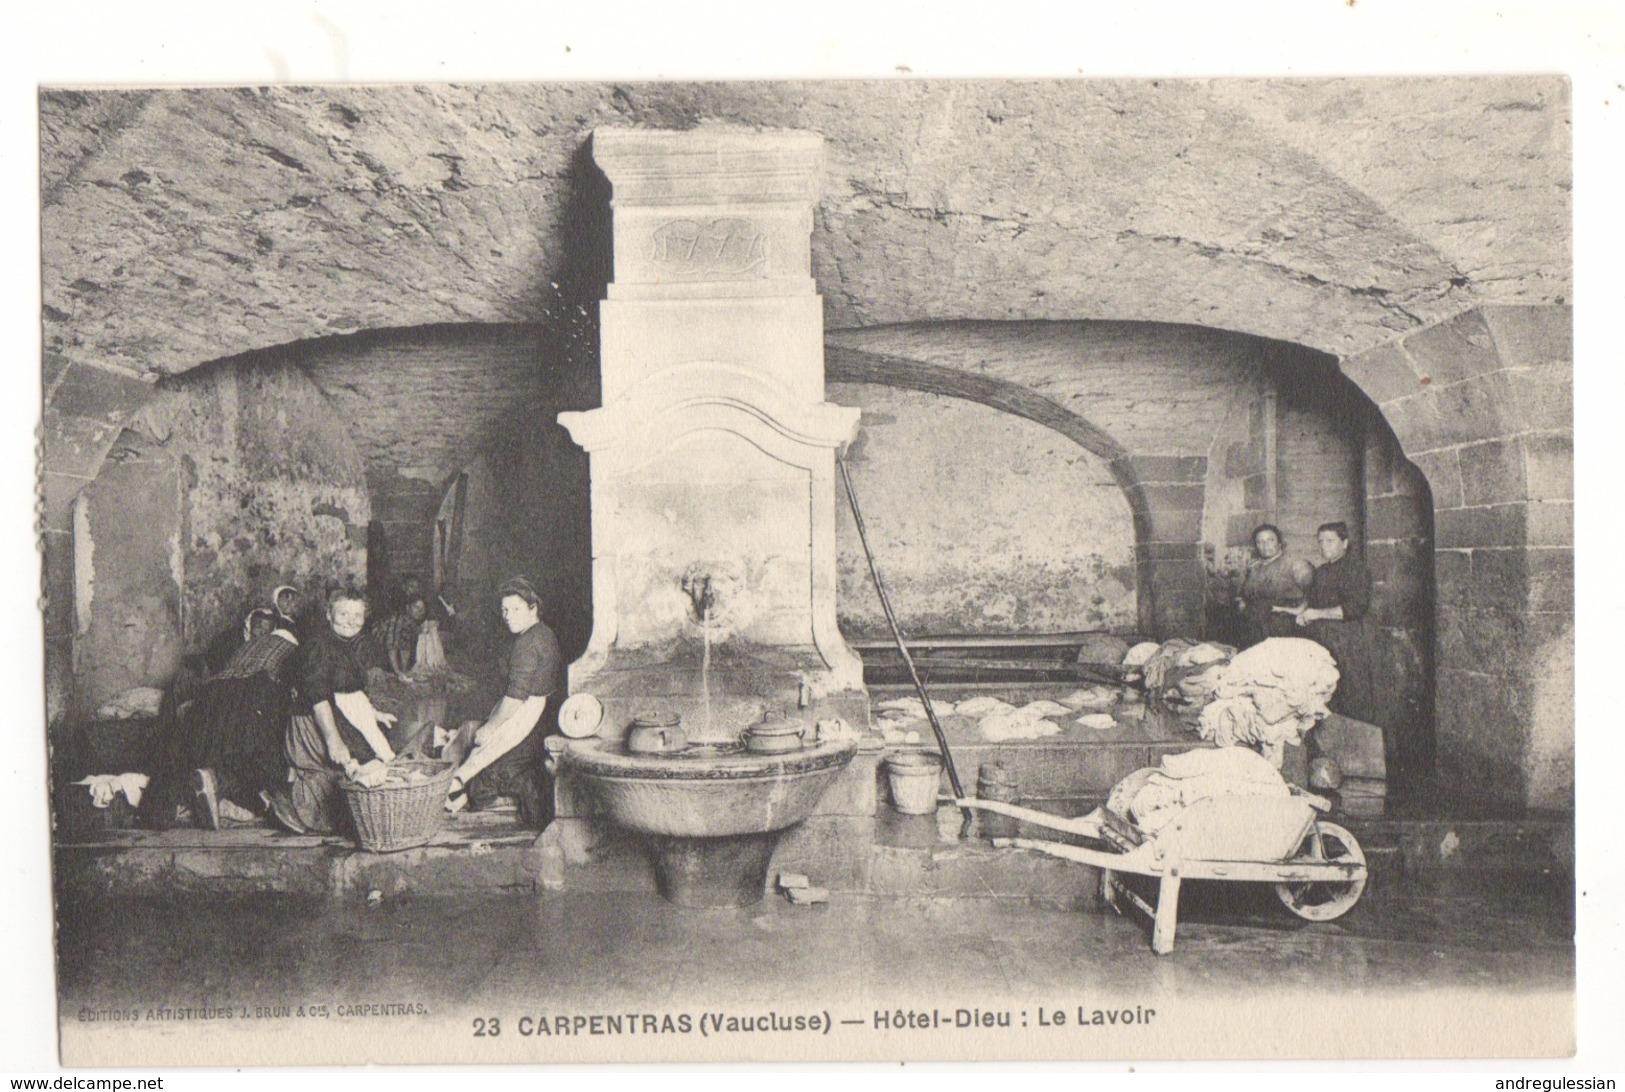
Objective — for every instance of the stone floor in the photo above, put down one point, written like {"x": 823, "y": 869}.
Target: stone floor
{"x": 557, "y": 953}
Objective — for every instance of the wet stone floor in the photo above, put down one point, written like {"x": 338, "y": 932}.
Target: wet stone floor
{"x": 619, "y": 952}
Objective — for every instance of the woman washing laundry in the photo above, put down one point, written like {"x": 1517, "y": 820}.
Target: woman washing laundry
{"x": 227, "y": 740}
{"x": 1272, "y": 580}
{"x": 397, "y": 635}
{"x": 1334, "y": 616}
{"x": 502, "y": 754}
{"x": 334, "y": 731}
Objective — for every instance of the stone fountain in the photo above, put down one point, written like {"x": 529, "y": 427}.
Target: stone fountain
{"x": 712, "y": 464}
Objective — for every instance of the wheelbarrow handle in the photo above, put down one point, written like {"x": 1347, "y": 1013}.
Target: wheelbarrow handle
{"x": 1086, "y": 825}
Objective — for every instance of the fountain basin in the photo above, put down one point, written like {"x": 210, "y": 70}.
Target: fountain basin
{"x": 710, "y": 819}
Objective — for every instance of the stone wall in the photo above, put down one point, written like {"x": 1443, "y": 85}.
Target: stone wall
{"x": 981, "y": 522}
{"x": 527, "y": 515}
{"x": 1312, "y": 423}
{"x": 86, "y": 408}
{"x": 421, "y": 403}
{"x": 238, "y": 478}
{"x": 1398, "y": 546}
{"x": 1335, "y": 459}
{"x": 127, "y": 574}
{"x": 1148, "y": 398}
{"x": 1290, "y": 456}
{"x": 1319, "y": 447}
{"x": 274, "y": 493}
{"x": 1483, "y": 405}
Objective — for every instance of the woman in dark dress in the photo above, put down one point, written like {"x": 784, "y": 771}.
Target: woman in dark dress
{"x": 333, "y": 732}
{"x": 1272, "y": 581}
{"x": 503, "y": 754}
{"x": 225, "y": 743}
{"x": 1335, "y": 617}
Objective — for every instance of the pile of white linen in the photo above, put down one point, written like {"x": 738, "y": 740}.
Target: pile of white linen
{"x": 1270, "y": 695}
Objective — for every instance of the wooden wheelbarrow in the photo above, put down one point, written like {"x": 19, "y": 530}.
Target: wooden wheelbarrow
{"x": 1317, "y": 867}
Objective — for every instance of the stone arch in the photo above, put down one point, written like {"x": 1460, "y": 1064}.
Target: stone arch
{"x": 1160, "y": 571}
{"x": 1482, "y": 405}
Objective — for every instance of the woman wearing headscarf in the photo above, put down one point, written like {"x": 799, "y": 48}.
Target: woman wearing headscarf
{"x": 225, "y": 746}
{"x": 503, "y": 754}
{"x": 334, "y": 731}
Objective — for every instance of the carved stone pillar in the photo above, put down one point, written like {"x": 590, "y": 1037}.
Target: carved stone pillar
{"x": 713, "y": 455}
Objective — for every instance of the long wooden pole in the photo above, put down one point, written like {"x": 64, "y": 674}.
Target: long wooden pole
{"x": 897, "y": 635}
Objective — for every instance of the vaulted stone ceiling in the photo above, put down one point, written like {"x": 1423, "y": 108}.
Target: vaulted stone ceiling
{"x": 185, "y": 226}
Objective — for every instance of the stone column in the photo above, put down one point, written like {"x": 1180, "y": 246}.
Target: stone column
{"x": 1482, "y": 404}
{"x": 85, "y": 410}
{"x": 1166, "y": 494}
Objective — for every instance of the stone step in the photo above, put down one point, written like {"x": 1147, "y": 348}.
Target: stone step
{"x": 1537, "y": 846}
{"x": 486, "y": 852}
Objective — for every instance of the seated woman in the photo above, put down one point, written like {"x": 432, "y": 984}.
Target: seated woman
{"x": 224, "y": 746}
{"x": 334, "y": 730}
{"x": 1272, "y": 580}
{"x": 397, "y": 636}
{"x": 503, "y": 754}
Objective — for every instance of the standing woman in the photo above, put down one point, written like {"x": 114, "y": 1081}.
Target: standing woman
{"x": 334, "y": 731}
{"x": 503, "y": 755}
{"x": 1272, "y": 581}
{"x": 1338, "y": 600}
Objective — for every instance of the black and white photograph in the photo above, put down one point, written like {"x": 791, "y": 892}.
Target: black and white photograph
{"x": 925, "y": 568}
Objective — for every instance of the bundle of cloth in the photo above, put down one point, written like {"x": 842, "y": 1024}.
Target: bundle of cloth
{"x": 1179, "y": 672}
{"x": 104, "y": 787}
{"x": 1269, "y": 696}
{"x": 1228, "y": 803}
{"x": 1150, "y": 797}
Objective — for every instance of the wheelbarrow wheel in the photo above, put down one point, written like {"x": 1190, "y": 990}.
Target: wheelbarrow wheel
{"x": 1320, "y": 901}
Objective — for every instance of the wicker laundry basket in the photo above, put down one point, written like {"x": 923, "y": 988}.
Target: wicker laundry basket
{"x": 400, "y": 815}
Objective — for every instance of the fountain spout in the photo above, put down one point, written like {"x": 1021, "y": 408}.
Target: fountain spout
{"x": 697, "y": 586}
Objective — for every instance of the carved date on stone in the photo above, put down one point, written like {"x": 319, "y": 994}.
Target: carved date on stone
{"x": 718, "y": 248}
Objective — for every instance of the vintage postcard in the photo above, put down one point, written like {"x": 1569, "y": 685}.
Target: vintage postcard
{"x": 918, "y": 569}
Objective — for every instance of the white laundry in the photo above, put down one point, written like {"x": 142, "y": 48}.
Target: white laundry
{"x": 913, "y": 708}
{"x": 984, "y": 706}
{"x": 1088, "y": 696}
{"x": 1005, "y": 726}
{"x": 1140, "y": 653}
{"x": 1097, "y": 721}
{"x": 103, "y": 787}
{"x": 1044, "y": 708}
{"x": 1183, "y": 779}
{"x": 1205, "y": 653}
{"x": 1270, "y": 695}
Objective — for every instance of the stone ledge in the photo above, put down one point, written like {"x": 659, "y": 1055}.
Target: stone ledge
{"x": 487, "y": 858}
{"x": 482, "y": 852}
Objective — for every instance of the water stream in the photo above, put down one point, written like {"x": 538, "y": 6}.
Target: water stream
{"x": 705, "y": 667}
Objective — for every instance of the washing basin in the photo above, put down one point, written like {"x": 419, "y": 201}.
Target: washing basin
{"x": 709, "y": 816}
{"x": 707, "y": 792}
